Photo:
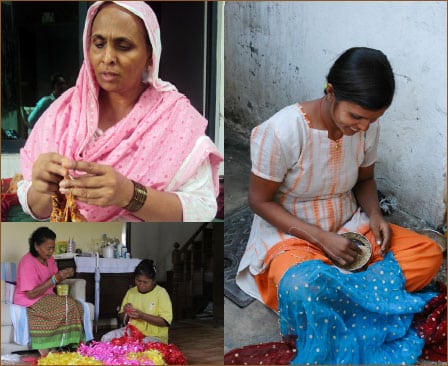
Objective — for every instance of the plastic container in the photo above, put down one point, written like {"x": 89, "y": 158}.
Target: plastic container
{"x": 71, "y": 246}
{"x": 61, "y": 247}
{"x": 62, "y": 289}
{"x": 124, "y": 250}
{"x": 108, "y": 251}
{"x": 117, "y": 251}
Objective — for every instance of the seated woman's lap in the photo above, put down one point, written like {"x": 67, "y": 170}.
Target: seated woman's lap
{"x": 285, "y": 255}
{"x": 419, "y": 258}
{"x": 120, "y": 332}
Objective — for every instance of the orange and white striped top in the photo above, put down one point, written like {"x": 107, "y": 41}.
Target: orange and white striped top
{"x": 317, "y": 176}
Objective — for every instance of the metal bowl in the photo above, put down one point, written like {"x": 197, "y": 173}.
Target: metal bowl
{"x": 362, "y": 258}
{"x": 439, "y": 238}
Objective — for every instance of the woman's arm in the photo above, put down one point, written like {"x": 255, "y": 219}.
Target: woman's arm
{"x": 39, "y": 203}
{"x": 261, "y": 199}
{"x": 42, "y": 288}
{"x": 366, "y": 194}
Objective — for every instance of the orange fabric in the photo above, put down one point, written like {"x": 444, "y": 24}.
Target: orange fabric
{"x": 419, "y": 257}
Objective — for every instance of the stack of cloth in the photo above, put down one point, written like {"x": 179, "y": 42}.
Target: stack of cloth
{"x": 127, "y": 350}
{"x": 430, "y": 325}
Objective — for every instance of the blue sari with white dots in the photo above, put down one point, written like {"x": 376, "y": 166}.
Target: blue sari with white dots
{"x": 350, "y": 318}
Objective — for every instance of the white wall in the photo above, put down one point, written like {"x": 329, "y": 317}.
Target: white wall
{"x": 10, "y": 165}
{"x": 15, "y": 235}
{"x": 219, "y": 115}
{"x": 278, "y": 53}
{"x": 155, "y": 241}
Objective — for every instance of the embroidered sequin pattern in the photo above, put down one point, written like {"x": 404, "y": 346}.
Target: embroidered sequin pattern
{"x": 355, "y": 318}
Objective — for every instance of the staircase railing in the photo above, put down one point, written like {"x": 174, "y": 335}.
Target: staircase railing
{"x": 186, "y": 280}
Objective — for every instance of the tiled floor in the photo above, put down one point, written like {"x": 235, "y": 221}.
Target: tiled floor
{"x": 201, "y": 341}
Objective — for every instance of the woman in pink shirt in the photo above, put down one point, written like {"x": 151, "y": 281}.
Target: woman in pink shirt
{"x": 54, "y": 321}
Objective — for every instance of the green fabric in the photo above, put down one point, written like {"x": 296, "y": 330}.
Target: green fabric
{"x": 55, "y": 321}
{"x": 69, "y": 336}
{"x": 16, "y": 214}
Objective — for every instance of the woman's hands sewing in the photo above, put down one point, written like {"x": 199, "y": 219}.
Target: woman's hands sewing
{"x": 132, "y": 312}
{"x": 261, "y": 199}
{"x": 64, "y": 274}
{"x": 340, "y": 250}
{"x": 137, "y": 314}
{"x": 102, "y": 185}
{"x": 43, "y": 287}
{"x": 382, "y": 232}
{"x": 48, "y": 172}
{"x": 99, "y": 185}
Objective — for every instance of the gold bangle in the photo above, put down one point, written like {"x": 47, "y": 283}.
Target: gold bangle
{"x": 138, "y": 199}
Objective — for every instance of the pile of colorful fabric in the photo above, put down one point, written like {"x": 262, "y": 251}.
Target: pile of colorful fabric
{"x": 133, "y": 352}
{"x": 430, "y": 325}
{"x": 272, "y": 353}
{"x": 366, "y": 317}
{"x": 127, "y": 350}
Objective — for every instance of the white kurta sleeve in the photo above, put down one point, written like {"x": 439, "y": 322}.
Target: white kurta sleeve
{"x": 197, "y": 196}
{"x": 23, "y": 187}
{"x": 197, "y": 192}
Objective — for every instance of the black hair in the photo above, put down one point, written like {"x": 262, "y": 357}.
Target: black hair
{"x": 40, "y": 236}
{"x": 146, "y": 268}
{"x": 55, "y": 79}
{"x": 363, "y": 76}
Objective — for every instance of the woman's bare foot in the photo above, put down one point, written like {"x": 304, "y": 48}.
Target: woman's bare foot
{"x": 44, "y": 352}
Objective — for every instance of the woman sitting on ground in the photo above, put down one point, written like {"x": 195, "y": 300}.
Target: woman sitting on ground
{"x": 313, "y": 179}
{"x": 147, "y": 306}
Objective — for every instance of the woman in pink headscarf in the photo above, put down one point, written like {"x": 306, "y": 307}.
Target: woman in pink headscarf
{"x": 125, "y": 143}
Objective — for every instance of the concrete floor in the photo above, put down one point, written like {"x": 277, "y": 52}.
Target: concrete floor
{"x": 256, "y": 323}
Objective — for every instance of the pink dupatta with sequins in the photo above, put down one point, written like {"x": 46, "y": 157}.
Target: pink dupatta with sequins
{"x": 148, "y": 145}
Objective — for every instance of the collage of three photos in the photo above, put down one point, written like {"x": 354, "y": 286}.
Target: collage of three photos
{"x": 243, "y": 183}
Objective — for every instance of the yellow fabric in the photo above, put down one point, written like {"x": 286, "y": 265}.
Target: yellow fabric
{"x": 156, "y": 302}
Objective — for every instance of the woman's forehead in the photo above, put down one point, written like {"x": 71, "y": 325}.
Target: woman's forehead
{"x": 47, "y": 242}
{"x": 142, "y": 277}
{"x": 359, "y": 110}
{"x": 116, "y": 21}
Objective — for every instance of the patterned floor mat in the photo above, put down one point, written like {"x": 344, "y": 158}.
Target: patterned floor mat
{"x": 236, "y": 233}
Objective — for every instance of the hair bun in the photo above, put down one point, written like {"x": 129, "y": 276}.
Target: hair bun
{"x": 147, "y": 268}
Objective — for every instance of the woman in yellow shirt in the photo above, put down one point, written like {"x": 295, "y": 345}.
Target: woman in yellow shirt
{"x": 147, "y": 306}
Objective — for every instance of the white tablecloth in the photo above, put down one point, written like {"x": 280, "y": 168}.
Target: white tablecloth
{"x": 107, "y": 265}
